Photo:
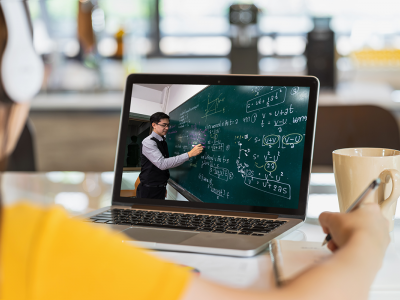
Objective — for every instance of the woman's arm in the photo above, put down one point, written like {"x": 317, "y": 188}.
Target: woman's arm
{"x": 359, "y": 240}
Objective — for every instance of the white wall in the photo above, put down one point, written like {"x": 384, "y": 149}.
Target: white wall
{"x": 146, "y": 93}
{"x": 146, "y": 101}
{"x": 180, "y": 93}
{"x": 128, "y": 180}
{"x": 144, "y": 107}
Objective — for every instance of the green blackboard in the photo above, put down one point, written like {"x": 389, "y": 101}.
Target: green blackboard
{"x": 253, "y": 138}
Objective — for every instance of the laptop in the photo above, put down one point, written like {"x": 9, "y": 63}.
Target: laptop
{"x": 248, "y": 186}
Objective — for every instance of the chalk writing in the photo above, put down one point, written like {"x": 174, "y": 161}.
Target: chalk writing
{"x": 269, "y": 186}
{"x": 271, "y": 139}
{"x": 220, "y": 173}
{"x": 292, "y": 139}
{"x": 217, "y": 147}
{"x": 189, "y": 110}
{"x": 261, "y": 129}
{"x": 299, "y": 119}
{"x": 213, "y": 106}
{"x": 267, "y": 100}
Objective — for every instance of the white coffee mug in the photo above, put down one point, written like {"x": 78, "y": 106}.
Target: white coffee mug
{"x": 356, "y": 168}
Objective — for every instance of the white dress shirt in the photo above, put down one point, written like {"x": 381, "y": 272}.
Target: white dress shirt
{"x": 151, "y": 151}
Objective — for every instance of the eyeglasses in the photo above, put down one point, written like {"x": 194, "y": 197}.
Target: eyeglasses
{"x": 164, "y": 125}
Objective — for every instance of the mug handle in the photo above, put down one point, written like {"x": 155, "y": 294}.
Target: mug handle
{"x": 394, "y": 195}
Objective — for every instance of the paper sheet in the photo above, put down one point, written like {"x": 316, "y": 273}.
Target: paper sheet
{"x": 294, "y": 257}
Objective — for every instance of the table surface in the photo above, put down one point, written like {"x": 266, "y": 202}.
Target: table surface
{"x": 81, "y": 193}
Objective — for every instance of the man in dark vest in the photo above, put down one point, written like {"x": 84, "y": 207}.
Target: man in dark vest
{"x": 155, "y": 159}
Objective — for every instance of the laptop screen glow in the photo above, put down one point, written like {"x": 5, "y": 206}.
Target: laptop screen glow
{"x": 253, "y": 139}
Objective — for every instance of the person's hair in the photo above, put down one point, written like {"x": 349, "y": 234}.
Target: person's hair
{"x": 155, "y": 118}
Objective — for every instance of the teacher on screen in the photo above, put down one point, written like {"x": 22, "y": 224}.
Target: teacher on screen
{"x": 155, "y": 159}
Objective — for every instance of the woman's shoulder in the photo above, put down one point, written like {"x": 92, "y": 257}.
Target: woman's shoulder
{"x": 24, "y": 220}
{"x": 27, "y": 212}
{"x": 48, "y": 248}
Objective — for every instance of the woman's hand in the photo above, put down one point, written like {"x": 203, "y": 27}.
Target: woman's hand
{"x": 362, "y": 237}
{"x": 366, "y": 221}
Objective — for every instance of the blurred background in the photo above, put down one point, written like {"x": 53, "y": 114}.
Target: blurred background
{"x": 90, "y": 46}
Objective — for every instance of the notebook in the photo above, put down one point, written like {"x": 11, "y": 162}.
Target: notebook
{"x": 291, "y": 258}
{"x": 248, "y": 186}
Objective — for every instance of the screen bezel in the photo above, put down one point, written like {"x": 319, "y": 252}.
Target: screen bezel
{"x": 252, "y": 80}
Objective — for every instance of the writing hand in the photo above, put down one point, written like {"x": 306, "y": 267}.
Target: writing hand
{"x": 366, "y": 220}
{"x": 196, "y": 150}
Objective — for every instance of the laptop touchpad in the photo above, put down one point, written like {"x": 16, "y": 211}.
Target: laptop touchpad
{"x": 158, "y": 235}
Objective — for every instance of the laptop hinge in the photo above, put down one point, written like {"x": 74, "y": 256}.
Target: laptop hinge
{"x": 301, "y": 217}
{"x": 205, "y": 211}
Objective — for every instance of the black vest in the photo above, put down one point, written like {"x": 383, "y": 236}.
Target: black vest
{"x": 150, "y": 174}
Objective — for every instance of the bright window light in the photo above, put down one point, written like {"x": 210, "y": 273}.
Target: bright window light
{"x": 322, "y": 179}
{"x": 290, "y": 45}
{"x": 71, "y": 48}
{"x": 395, "y": 96}
{"x": 343, "y": 45}
{"x": 98, "y": 21}
{"x": 194, "y": 25}
{"x": 376, "y": 42}
{"x": 269, "y": 64}
{"x": 396, "y": 42}
{"x": 195, "y": 45}
{"x": 318, "y": 203}
{"x": 344, "y": 64}
{"x": 66, "y": 177}
{"x": 72, "y": 201}
{"x": 286, "y": 24}
{"x": 107, "y": 177}
{"x": 107, "y": 46}
{"x": 266, "y": 45}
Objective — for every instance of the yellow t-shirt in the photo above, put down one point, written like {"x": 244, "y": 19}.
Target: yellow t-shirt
{"x": 47, "y": 255}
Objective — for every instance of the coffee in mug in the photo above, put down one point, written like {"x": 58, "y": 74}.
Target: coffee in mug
{"x": 356, "y": 168}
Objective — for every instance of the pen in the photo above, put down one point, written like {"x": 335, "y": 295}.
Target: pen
{"x": 374, "y": 184}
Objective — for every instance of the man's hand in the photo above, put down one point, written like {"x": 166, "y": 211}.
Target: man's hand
{"x": 367, "y": 221}
{"x": 196, "y": 150}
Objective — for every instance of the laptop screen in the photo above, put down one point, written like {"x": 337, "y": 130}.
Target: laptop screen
{"x": 256, "y": 142}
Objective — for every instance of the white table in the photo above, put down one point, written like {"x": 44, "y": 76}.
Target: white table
{"x": 80, "y": 193}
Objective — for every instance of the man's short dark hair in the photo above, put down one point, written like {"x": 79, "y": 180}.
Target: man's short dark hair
{"x": 155, "y": 118}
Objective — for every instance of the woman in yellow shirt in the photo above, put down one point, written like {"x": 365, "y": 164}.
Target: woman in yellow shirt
{"x": 47, "y": 255}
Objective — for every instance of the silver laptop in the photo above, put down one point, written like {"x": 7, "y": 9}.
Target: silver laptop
{"x": 248, "y": 186}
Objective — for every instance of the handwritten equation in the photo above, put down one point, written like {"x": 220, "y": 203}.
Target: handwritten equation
{"x": 269, "y": 186}
{"x": 273, "y": 98}
{"x": 220, "y": 173}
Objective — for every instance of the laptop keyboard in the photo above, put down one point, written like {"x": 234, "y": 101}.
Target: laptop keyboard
{"x": 192, "y": 222}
